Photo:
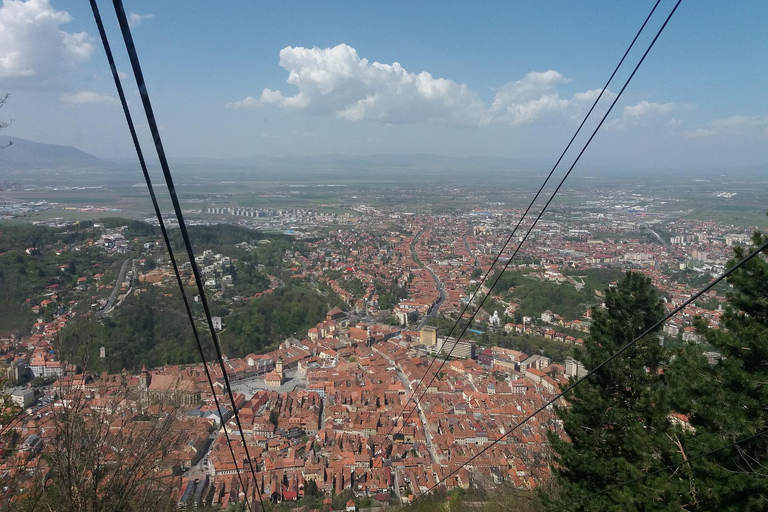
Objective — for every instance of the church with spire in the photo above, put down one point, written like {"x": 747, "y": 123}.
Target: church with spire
{"x": 167, "y": 387}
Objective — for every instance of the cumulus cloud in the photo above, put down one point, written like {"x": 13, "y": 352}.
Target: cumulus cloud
{"x": 87, "y": 98}
{"x": 756, "y": 126}
{"x": 135, "y": 19}
{"x": 337, "y": 81}
{"x": 527, "y": 99}
{"x": 645, "y": 109}
{"x": 32, "y": 46}
{"x": 645, "y": 112}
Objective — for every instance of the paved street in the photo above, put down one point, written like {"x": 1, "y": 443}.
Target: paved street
{"x": 427, "y": 435}
{"x": 112, "y": 298}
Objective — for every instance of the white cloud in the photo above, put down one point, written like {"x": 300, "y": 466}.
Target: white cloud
{"x": 756, "y": 126}
{"x": 645, "y": 109}
{"x": 699, "y": 133}
{"x": 248, "y": 102}
{"x": 122, "y": 74}
{"x": 590, "y": 96}
{"x": 528, "y": 99}
{"x": 645, "y": 113}
{"x": 674, "y": 123}
{"x": 135, "y": 19}
{"x": 87, "y": 98}
{"x": 738, "y": 123}
{"x": 32, "y": 46}
{"x": 337, "y": 81}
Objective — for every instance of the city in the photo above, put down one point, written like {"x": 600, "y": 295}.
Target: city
{"x": 383, "y": 257}
{"x": 336, "y": 403}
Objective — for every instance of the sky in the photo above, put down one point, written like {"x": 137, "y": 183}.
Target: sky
{"x": 508, "y": 78}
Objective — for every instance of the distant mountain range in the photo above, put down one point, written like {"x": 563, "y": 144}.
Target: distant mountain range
{"x": 28, "y": 155}
{"x": 25, "y": 154}
{"x": 419, "y": 160}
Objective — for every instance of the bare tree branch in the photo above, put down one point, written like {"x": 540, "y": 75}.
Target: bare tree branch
{"x": 5, "y": 124}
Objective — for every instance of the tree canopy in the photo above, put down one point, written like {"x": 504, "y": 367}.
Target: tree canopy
{"x": 616, "y": 421}
{"x": 728, "y": 400}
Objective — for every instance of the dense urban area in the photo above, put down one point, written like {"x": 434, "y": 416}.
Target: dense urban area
{"x": 383, "y": 257}
{"x": 329, "y": 321}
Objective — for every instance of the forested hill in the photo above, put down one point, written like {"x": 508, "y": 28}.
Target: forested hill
{"x": 69, "y": 271}
{"x": 260, "y": 308}
{"x": 152, "y": 329}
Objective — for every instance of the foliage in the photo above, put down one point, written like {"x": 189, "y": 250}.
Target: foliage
{"x": 506, "y": 280}
{"x": 42, "y": 381}
{"x": 272, "y": 318}
{"x": 617, "y": 420}
{"x": 249, "y": 280}
{"x": 218, "y": 237}
{"x": 535, "y": 296}
{"x": 310, "y": 490}
{"x": 389, "y": 294}
{"x": 339, "y": 501}
{"x": 354, "y": 286}
{"x": 134, "y": 228}
{"x": 25, "y": 276}
{"x": 556, "y": 350}
{"x": 152, "y": 328}
{"x": 727, "y": 401}
{"x": 147, "y": 329}
{"x": 102, "y": 462}
{"x": 531, "y": 345}
{"x": 445, "y": 325}
{"x": 491, "y": 305}
{"x": 596, "y": 278}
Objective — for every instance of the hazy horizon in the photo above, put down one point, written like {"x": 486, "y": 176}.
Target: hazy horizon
{"x": 399, "y": 79}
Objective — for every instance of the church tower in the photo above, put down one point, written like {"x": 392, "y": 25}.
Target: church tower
{"x": 144, "y": 379}
{"x": 279, "y": 368}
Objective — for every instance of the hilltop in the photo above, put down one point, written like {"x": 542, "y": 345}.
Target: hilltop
{"x": 26, "y": 154}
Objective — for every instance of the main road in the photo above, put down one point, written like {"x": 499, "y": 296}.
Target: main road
{"x": 469, "y": 251}
{"x": 658, "y": 237}
{"x": 435, "y": 309}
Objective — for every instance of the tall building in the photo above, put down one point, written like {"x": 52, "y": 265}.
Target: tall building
{"x": 428, "y": 336}
{"x": 459, "y": 349}
{"x": 574, "y": 368}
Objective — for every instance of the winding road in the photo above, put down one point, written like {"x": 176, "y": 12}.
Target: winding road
{"x": 111, "y": 301}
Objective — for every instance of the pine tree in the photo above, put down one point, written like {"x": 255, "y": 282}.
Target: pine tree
{"x": 616, "y": 421}
{"x": 728, "y": 400}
